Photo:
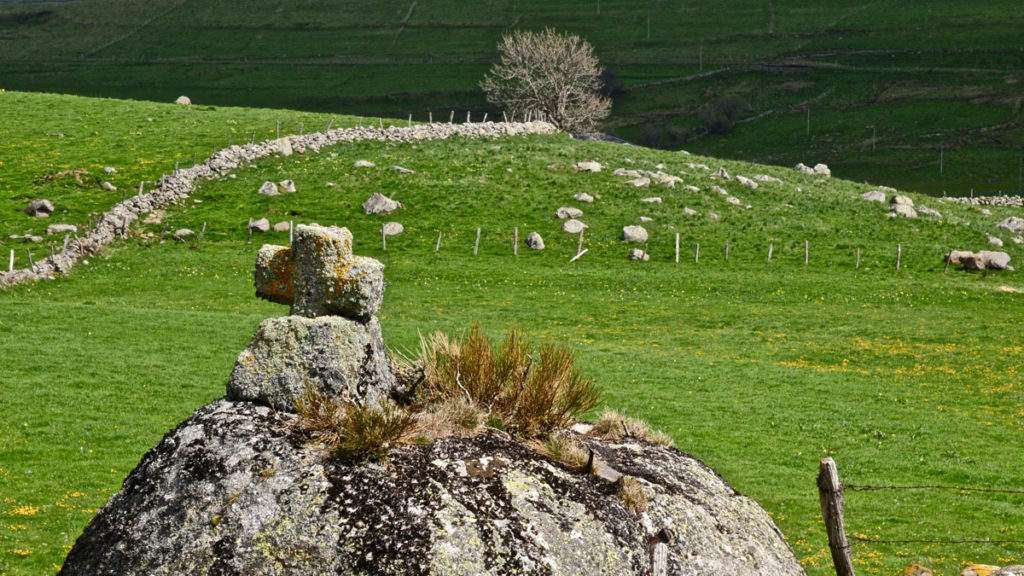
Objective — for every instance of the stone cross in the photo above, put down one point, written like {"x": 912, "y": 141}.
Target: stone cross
{"x": 319, "y": 276}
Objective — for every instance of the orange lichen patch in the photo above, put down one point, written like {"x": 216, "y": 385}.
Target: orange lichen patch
{"x": 275, "y": 278}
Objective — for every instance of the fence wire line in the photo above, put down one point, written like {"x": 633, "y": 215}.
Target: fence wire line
{"x": 930, "y": 541}
{"x": 864, "y": 487}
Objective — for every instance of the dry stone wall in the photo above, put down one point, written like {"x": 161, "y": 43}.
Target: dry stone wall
{"x": 177, "y": 186}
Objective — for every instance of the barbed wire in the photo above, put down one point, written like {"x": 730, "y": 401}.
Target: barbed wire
{"x": 934, "y": 541}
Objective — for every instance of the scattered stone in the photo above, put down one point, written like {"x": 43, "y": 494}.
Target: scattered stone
{"x": 1013, "y": 224}
{"x": 691, "y": 188}
{"x": 929, "y": 212}
{"x": 698, "y": 166}
{"x": 904, "y": 210}
{"x": 916, "y": 570}
{"x": 154, "y": 217}
{"x": 722, "y": 173}
{"x": 667, "y": 180}
{"x": 719, "y": 190}
{"x": 629, "y": 173}
{"x": 767, "y": 178}
{"x": 588, "y": 167}
{"x": 393, "y": 228}
{"x": 183, "y": 233}
{"x": 1015, "y": 570}
{"x": 1018, "y": 239}
{"x": 183, "y": 101}
{"x": 583, "y": 197}
{"x": 282, "y": 226}
{"x": 32, "y": 239}
{"x": 364, "y": 164}
{"x": 566, "y": 212}
{"x": 535, "y": 241}
{"x": 261, "y": 225}
{"x": 108, "y": 186}
{"x": 402, "y": 170}
{"x": 109, "y": 170}
{"x": 994, "y": 241}
{"x": 329, "y": 185}
{"x": 651, "y": 200}
{"x": 286, "y": 186}
{"x": 747, "y": 182}
{"x": 638, "y": 254}
{"x": 712, "y": 216}
{"x": 900, "y": 199}
{"x": 687, "y": 211}
{"x": 822, "y": 170}
{"x": 634, "y": 234}
{"x": 61, "y": 229}
{"x": 803, "y": 168}
{"x": 380, "y": 204}
{"x": 734, "y": 200}
{"x": 979, "y": 570}
{"x": 573, "y": 226}
{"x": 641, "y": 182}
{"x": 41, "y": 208}
{"x": 874, "y": 196}
{"x": 985, "y": 211}
{"x": 996, "y": 260}
{"x": 645, "y": 219}
{"x": 269, "y": 189}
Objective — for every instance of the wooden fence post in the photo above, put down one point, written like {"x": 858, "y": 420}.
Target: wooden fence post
{"x": 830, "y": 492}
{"x": 677, "y": 247}
{"x": 291, "y": 231}
{"x": 771, "y": 248}
{"x": 476, "y": 247}
{"x": 696, "y": 254}
{"x": 899, "y": 255}
{"x": 946, "y": 267}
{"x": 807, "y": 252}
{"x": 579, "y": 245}
{"x": 201, "y": 232}
{"x": 515, "y": 242}
{"x": 857, "y": 265}
{"x": 31, "y": 264}
{"x": 726, "y": 251}
{"x": 437, "y": 247}
{"x": 452, "y": 117}
{"x": 383, "y": 239}
{"x": 10, "y": 267}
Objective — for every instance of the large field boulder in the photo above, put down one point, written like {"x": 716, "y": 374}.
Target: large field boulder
{"x": 231, "y": 492}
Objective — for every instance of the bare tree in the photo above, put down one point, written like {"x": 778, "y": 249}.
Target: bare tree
{"x": 548, "y": 76}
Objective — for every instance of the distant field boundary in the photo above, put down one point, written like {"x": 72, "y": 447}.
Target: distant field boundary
{"x": 178, "y": 185}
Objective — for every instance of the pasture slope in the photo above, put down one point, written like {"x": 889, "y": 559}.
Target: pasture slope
{"x": 919, "y": 95}
{"x": 904, "y": 377}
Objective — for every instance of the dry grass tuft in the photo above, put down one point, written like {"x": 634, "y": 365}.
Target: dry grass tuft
{"x": 563, "y": 448}
{"x": 613, "y": 425}
{"x": 350, "y": 431}
{"x": 632, "y": 494}
{"x": 449, "y": 417}
{"x": 520, "y": 393}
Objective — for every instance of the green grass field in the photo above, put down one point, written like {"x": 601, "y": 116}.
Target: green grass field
{"x": 904, "y": 377}
{"x": 888, "y": 85}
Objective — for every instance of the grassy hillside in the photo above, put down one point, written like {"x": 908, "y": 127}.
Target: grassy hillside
{"x": 893, "y": 89}
{"x": 904, "y": 377}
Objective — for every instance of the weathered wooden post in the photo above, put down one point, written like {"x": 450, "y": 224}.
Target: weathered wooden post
{"x": 31, "y": 264}
{"x": 452, "y": 117}
{"x": 726, "y": 251}
{"x": 771, "y": 248}
{"x": 857, "y": 265}
{"x": 10, "y": 267}
{"x": 253, "y": 141}
{"x": 579, "y": 245}
{"x": 248, "y": 240}
{"x": 141, "y": 184}
{"x": 807, "y": 252}
{"x": 515, "y": 241}
{"x": 201, "y": 232}
{"x": 946, "y": 267}
{"x": 430, "y": 117}
{"x": 437, "y": 246}
{"x": 696, "y": 254}
{"x": 380, "y": 122}
{"x": 830, "y": 492}
{"x": 383, "y": 239}
{"x": 291, "y": 231}
{"x": 677, "y": 247}
{"x": 329, "y": 124}
{"x": 279, "y": 129}
{"x": 476, "y": 247}
{"x": 410, "y": 120}
{"x": 467, "y": 116}
{"x": 484, "y": 121}
{"x": 899, "y": 255}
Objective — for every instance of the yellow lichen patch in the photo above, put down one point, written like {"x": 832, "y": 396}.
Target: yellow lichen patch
{"x": 275, "y": 281}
